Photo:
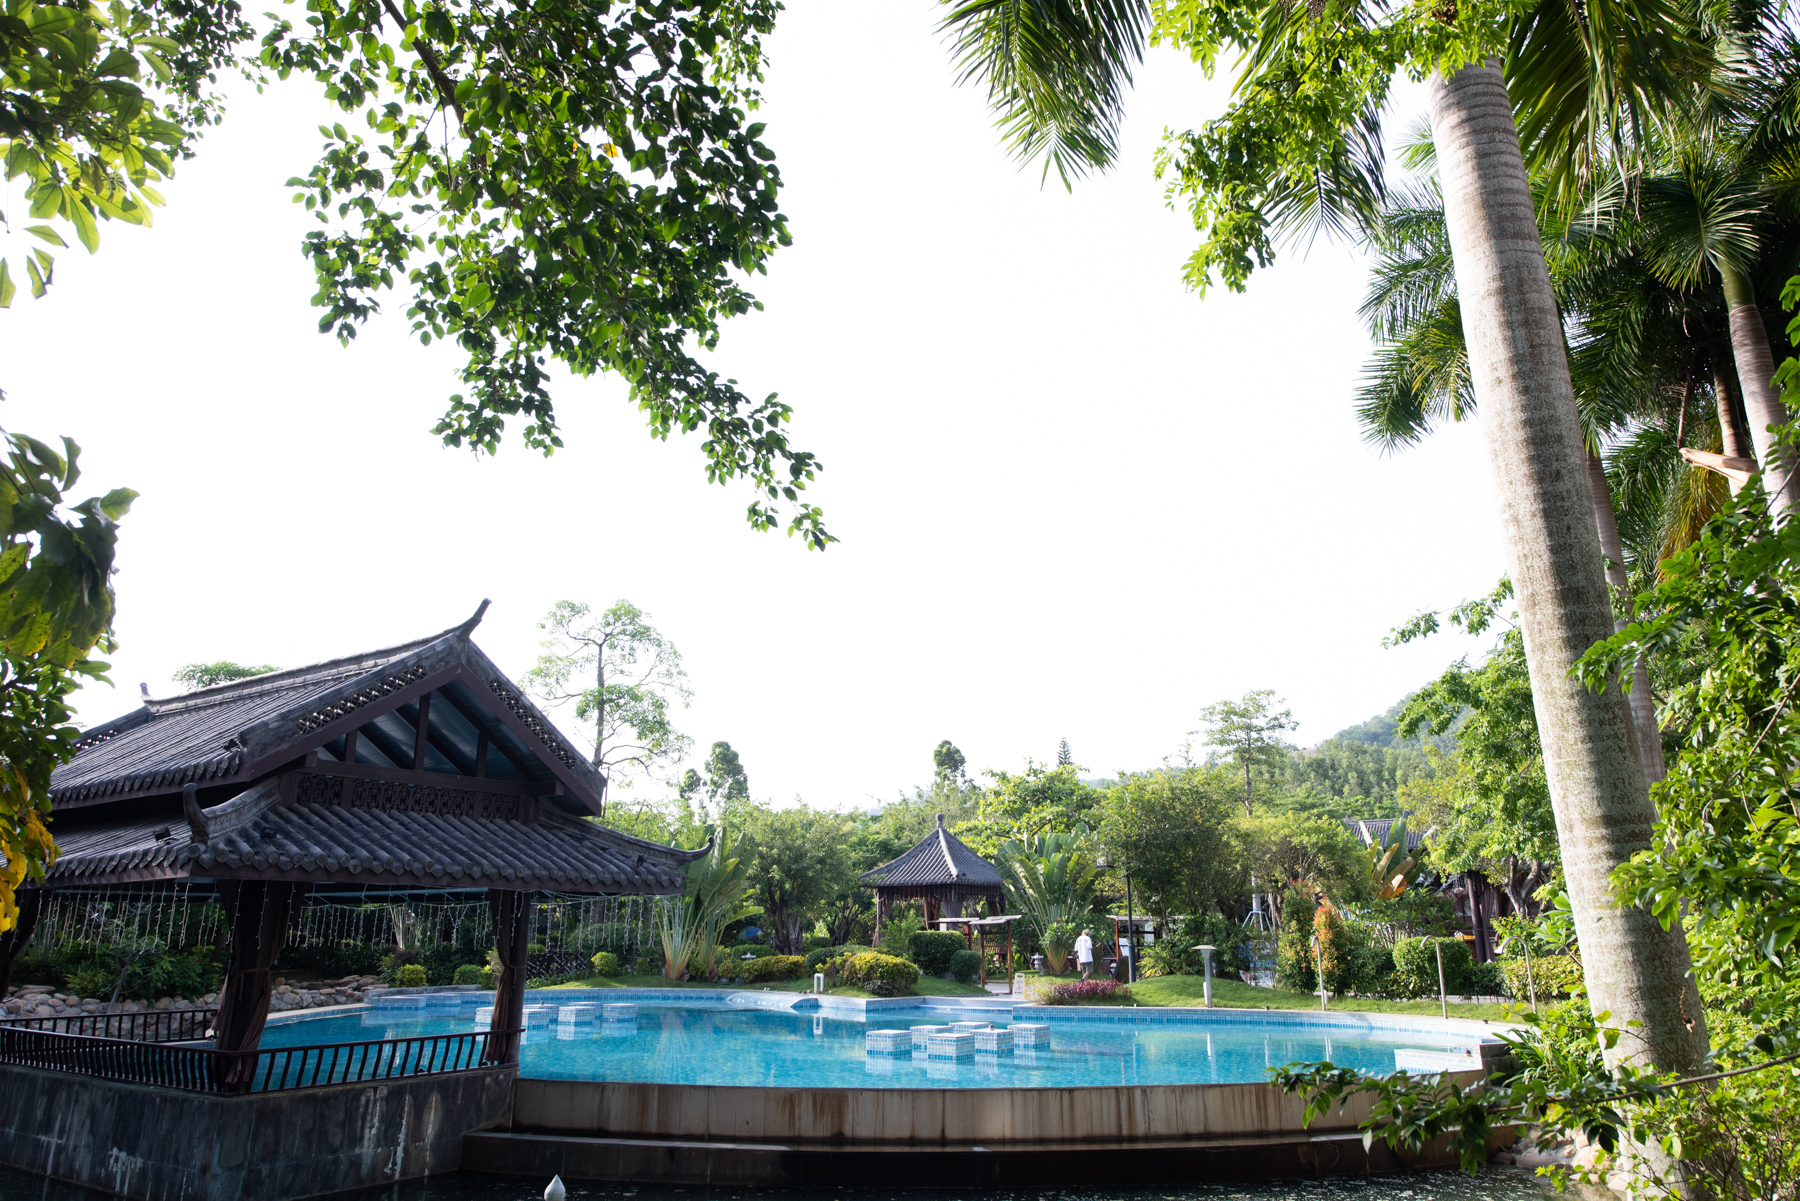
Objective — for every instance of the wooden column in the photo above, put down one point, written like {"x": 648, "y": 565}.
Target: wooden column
{"x": 511, "y": 912}
{"x": 31, "y": 904}
{"x": 261, "y": 914}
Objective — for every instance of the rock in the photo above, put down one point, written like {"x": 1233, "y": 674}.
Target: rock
{"x": 164, "y": 1002}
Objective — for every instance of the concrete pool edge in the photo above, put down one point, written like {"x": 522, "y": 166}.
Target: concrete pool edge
{"x": 725, "y": 1134}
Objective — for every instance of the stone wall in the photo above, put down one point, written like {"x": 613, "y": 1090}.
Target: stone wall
{"x": 158, "y": 1144}
{"x": 43, "y": 1001}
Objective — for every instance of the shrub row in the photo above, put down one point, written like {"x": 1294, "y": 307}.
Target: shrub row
{"x": 880, "y": 975}
{"x": 771, "y": 967}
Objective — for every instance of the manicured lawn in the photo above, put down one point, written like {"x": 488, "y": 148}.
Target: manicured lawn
{"x": 1235, "y": 994}
{"x": 929, "y": 986}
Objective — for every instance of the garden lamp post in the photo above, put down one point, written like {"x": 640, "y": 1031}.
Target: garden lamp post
{"x": 1127, "y": 946}
{"x": 1206, "y": 955}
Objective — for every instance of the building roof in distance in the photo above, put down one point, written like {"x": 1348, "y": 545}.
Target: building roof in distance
{"x": 940, "y": 858}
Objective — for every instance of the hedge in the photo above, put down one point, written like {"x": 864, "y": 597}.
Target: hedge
{"x": 606, "y": 964}
{"x": 817, "y": 956}
{"x": 965, "y": 966}
{"x": 410, "y": 975}
{"x": 771, "y": 967}
{"x": 1555, "y": 976}
{"x": 882, "y": 975}
{"x": 932, "y": 949}
{"x": 470, "y": 973}
{"x": 1416, "y": 970}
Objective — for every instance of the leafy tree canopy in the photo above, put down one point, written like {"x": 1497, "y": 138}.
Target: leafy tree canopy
{"x": 205, "y": 675}
{"x": 1248, "y": 733}
{"x": 574, "y": 180}
{"x": 56, "y": 608}
{"x": 1039, "y": 800}
{"x": 621, "y": 676}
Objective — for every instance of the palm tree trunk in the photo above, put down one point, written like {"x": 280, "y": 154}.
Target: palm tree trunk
{"x": 1756, "y": 376}
{"x": 1732, "y": 439}
{"x": 1643, "y": 701}
{"x": 1636, "y": 970}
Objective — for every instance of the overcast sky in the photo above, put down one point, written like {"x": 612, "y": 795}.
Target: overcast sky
{"x": 1075, "y": 500}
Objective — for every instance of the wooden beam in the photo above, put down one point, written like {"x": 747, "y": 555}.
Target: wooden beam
{"x": 422, "y": 735}
{"x": 481, "y": 727}
{"x": 481, "y": 750}
{"x": 349, "y": 755}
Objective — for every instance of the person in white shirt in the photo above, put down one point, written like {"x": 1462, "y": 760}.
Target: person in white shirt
{"x": 1084, "y": 953}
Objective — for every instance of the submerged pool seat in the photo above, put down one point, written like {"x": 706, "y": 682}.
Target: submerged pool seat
{"x": 577, "y": 1014}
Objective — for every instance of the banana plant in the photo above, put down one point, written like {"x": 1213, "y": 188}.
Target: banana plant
{"x": 1389, "y": 863}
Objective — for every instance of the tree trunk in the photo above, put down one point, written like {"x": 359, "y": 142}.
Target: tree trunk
{"x": 1636, "y": 970}
{"x": 1762, "y": 404}
{"x": 1643, "y": 701}
{"x": 1732, "y": 437}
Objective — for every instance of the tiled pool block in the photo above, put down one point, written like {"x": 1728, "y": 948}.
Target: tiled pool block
{"x": 994, "y": 1042}
{"x": 950, "y": 1046}
{"x": 539, "y": 1015}
{"x": 1035, "y": 1035}
{"x": 890, "y": 1043}
{"x": 921, "y": 1033}
{"x": 416, "y": 1001}
{"x": 621, "y": 1011}
{"x": 572, "y": 1014}
{"x": 484, "y": 1016}
{"x": 1417, "y": 1059}
{"x": 968, "y": 1027}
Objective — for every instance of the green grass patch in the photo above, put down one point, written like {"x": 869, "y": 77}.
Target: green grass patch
{"x": 928, "y": 986}
{"x": 1235, "y": 994}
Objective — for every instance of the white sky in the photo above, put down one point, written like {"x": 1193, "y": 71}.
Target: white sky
{"x": 1075, "y": 500}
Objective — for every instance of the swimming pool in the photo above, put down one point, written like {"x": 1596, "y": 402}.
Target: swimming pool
{"x": 716, "y": 1042}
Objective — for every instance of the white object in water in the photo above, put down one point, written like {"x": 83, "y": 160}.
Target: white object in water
{"x": 577, "y": 1013}
{"x": 555, "y": 1191}
{"x": 621, "y": 1011}
{"x": 484, "y": 1016}
{"x": 818, "y": 982}
{"x": 889, "y": 1042}
{"x": 949, "y": 1045}
{"x": 1031, "y": 1034}
{"x": 921, "y": 1033}
{"x": 994, "y": 1042}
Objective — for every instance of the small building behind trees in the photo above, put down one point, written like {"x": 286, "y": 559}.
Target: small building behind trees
{"x": 941, "y": 872}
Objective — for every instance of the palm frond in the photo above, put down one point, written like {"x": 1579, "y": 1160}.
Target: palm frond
{"x": 1056, "y": 72}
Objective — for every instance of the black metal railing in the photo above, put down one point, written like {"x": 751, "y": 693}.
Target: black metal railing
{"x": 203, "y": 1069}
{"x": 146, "y": 1026}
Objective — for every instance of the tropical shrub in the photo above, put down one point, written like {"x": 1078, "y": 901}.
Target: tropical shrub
{"x": 1371, "y": 967}
{"x": 1416, "y": 966}
{"x": 410, "y": 975}
{"x": 1485, "y": 980}
{"x": 1088, "y": 992}
{"x": 606, "y": 964}
{"x": 932, "y": 949}
{"x": 756, "y": 950}
{"x": 1058, "y": 942}
{"x": 1554, "y": 976}
{"x": 881, "y": 975}
{"x": 1335, "y": 954}
{"x": 644, "y": 965}
{"x": 965, "y": 966}
{"x": 470, "y": 973}
{"x": 904, "y": 920}
{"x": 771, "y": 967}
{"x": 328, "y": 962}
{"x": 815, "y": 959}
{"x": 92, "y": 981}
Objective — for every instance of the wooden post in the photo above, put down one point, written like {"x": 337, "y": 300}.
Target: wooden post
{"x": 981, "y": 934}
{"x": 423, "y": 733}
{"x": 511, "y": 911}
{"x": 1009, "y": 960}
{"x": 31, "y": 904}
{"x": 261, "y": 912}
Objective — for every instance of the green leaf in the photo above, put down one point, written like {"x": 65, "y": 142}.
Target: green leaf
{"x": 47, "y": 234}
{"x": 7, "y": 288}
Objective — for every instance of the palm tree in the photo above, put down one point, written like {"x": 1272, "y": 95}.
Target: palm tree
{"x": 1301, "y": 148}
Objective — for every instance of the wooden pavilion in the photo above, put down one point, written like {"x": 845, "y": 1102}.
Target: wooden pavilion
{"x": 940, "y": 871}
{"x": 418, "y": 772}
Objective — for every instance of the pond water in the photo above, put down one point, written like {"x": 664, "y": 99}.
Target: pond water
{"x": 723, "y": 1044}
{"x": 1493, "y": 1184}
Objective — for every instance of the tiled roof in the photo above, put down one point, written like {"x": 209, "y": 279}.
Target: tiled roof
{"x": 458, "y": 841}
{"x": 235, "y": 732}
{"x": 940, "y": 858}
{"x": 1372, "y": 830}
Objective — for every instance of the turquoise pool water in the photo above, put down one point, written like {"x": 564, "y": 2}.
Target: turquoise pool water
{"x": 719, "y": 1044}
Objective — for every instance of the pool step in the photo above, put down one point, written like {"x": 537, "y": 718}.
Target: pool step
{"x": 900, "y": 1165}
